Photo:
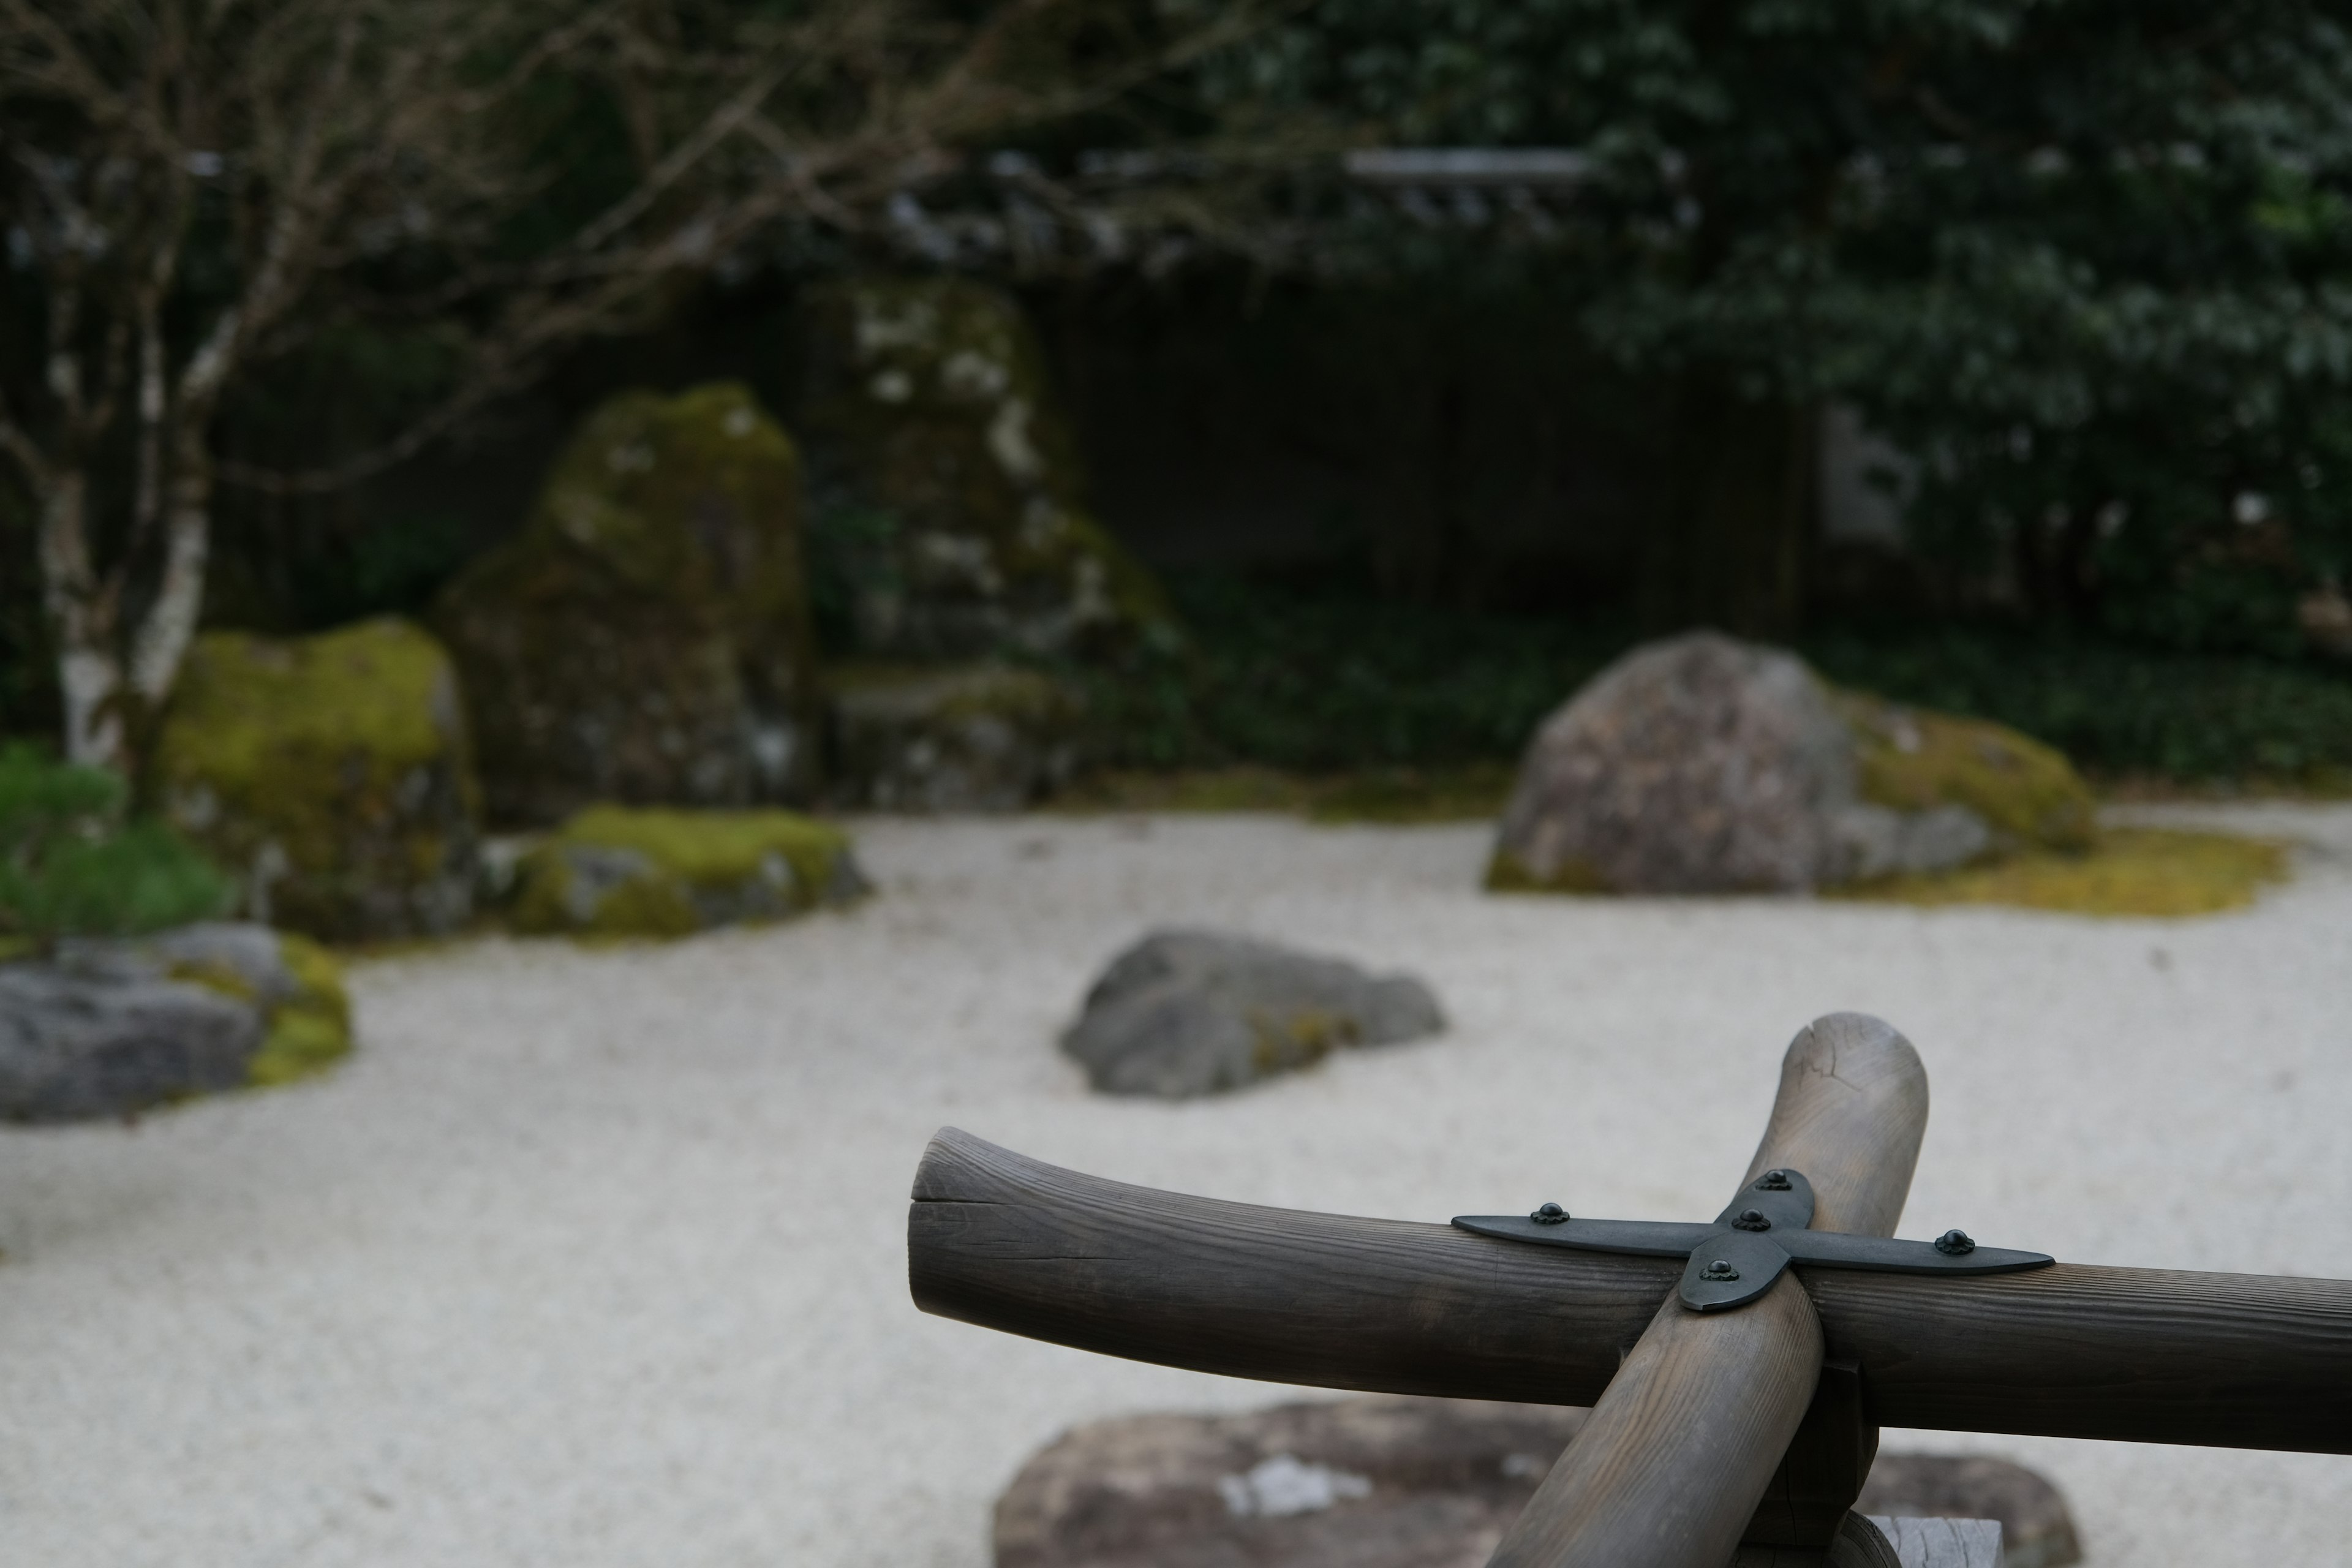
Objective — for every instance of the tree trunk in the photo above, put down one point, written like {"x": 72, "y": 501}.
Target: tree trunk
{"x": 1730, "y": 552}
{"x": 81, "y": 622}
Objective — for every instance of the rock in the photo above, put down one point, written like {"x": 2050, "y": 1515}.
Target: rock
{"x": 2036, "y": 1530}
{"x": 111, "y": 1027}
{"x": 1705, "y": 765}
{"x": 1915, "y": 760}
{"x": 331, "y": 775}
{"x": 1364, "y": 1483}
{"x": 645, "y": 638}
{"x": 948, "y": 482}
{"x": 615, "y": 872}
{"x": 1186, "y": 1013}
{"x": 980, "y": 737}
{"x": 1396, "y": 1483}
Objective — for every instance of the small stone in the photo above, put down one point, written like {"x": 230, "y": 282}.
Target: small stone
{"x": 617, "y": 872}
{"x": 1186, "y": 1013}
{"x": 2037, "y": 1532}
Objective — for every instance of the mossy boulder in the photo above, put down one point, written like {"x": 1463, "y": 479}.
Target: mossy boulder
{"x": 646, "y": 637}
{"x": 111, "y": 1027}
{"x": 615, "y": 872}
{"x": 958, "y": 525}
{"x": 1702, "y": 765}
{"x": 331, "y": 775}
{"x": 977, "y": 737}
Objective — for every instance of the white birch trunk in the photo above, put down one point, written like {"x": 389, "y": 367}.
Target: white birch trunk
{"x": 89, "y": 671}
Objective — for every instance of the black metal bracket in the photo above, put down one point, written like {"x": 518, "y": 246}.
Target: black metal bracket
{"x": 1766, "y": 1229}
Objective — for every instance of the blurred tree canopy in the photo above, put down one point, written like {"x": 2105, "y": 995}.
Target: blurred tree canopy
{"x": 2086, "y": 260}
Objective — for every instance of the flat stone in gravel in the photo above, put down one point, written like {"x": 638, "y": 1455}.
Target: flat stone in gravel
{"x": 1359, "y": 1483}
{"x": 1395, "y": 1483}
{"x": 1186, "y": 1013}
{"x": 102, "y": 1030}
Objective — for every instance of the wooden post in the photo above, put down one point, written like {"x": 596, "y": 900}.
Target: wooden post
{"x": 1669, "y": 1469}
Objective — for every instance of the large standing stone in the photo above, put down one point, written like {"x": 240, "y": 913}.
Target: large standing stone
{"x": 977, "y": 737}
{"x": 331, "y": 775}
{"x": 1186, "y": 1013}
{"x": 950, "y": 483}
{"x": 1396, "y": 1483}
{"x": 112, "y": 1026}
{"x": 651, "y": 873}
{"x": 1702, "y": 765}
{"x": 645, "y": 638}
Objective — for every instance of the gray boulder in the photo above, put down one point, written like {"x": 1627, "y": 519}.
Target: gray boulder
{"x": 111, "y": 1027}
{"x": 1702, "y": 765}
{"x": 1410, "y": 1483}
{"x": 1186, "y": 1013}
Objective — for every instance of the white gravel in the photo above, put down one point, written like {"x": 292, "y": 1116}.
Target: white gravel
{"x": 596, "y": 1258}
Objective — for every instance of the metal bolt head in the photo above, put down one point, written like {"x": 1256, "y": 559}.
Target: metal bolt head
{"x": 1773, "y": 1182}
{"x": 1956, "y": 1244}
{"x": 1751, "y": 1219}
{"x": 1718, "y": 1270}
{"x": 1551, "y": 1213}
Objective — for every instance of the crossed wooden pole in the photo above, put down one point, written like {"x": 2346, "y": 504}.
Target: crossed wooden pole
{"x": 1746, "y": 1432}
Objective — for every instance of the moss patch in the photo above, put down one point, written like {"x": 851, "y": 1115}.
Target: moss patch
{"x": 615, "y": 872}
{"x": 330, "y": 774}
{"x": 307, "y": 1030}
{"x": 1913, "y": 759}
{"x": 2143, "y": 871}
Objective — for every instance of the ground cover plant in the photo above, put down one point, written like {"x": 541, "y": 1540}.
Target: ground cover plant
{"x": 74, "y": 862}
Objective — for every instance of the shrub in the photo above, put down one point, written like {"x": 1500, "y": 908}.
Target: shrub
{"x": 73, "y": 863}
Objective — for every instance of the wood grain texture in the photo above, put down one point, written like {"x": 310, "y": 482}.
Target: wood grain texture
{"x": 1670, "y": 1467}
{"x": 1007, "y": 1242}
{"x": 1850, "y": 1113}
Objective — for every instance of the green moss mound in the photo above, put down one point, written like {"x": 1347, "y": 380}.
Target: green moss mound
{"x": 308, "y": 1027}
{"x": 2136, "y": 871}
{"x": 646, "y": 636}
{"x": 1913, "y": 759}
{"x": 617, "y": 872}
{"x": 331, "y": 775}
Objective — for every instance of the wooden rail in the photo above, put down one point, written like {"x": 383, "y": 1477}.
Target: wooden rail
{"x": 2142, "y": 1355}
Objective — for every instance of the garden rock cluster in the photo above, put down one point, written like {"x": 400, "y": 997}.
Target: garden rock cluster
{"x": 1703, "y": 765}
{"x": 331, "y": 775}
{"x": 1186, "y": 1013}
{"x": 1389, "y": 1483}
{"x": 108, "y": 1027}
{"x": 613, "y": 872}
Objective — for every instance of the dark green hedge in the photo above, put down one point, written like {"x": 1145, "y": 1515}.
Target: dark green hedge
{"x": 1320, "y": 683}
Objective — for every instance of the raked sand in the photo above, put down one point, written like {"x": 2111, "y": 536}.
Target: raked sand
{"x": 597, "y": 1257}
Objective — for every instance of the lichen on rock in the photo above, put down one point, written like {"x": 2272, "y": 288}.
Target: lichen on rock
{"x": 1915, "y": 759}
{"x": 611, "y": 871}
{"x": 977, "y": 737}
{"x": 927, "y": 404}
{"x": 645, "y": 638}
{"x": 331, "y": 775}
